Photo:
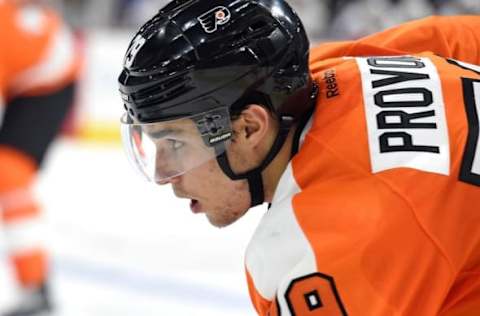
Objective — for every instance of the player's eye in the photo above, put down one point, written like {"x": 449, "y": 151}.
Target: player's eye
{"x": 175, "y": 144}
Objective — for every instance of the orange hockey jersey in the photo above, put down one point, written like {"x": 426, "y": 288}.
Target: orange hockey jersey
{"x": 379, "y": 211}
{"x": 37, "y": 52}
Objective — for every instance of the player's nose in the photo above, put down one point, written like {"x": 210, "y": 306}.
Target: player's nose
{"x": 171, "y": 180}
{"x": 165, "y": 169}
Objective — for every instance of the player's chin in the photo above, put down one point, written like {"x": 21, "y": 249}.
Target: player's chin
{"x": 220, "y": 221}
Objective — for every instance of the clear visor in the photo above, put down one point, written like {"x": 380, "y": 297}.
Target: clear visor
{"x": 163, "y": 150}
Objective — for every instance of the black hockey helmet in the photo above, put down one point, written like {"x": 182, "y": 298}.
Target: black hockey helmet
{"x": 195, "y": 56}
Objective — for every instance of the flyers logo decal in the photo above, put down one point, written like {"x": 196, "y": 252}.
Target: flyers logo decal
{"x": 213, "y": 18}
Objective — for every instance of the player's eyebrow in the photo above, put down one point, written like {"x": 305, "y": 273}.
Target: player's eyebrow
{"x": 164, "y": 133}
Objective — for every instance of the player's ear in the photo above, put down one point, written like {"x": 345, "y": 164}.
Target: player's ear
{"x": 252, "y": 125}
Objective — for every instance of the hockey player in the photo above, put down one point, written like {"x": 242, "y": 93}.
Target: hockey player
{"x": 38, "y": 65}
{"x": 367, "y": 151}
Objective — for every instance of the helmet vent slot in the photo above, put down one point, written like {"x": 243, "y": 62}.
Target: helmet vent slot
{"x": 160, "y": 95}
{"x": 171, "y": 83}
{"x": 176, "y": 92}
{"x": 256, "y": 30}
{"x": 257, "y": 26}
{"x": 289, "y": 66}
{"x": 163, "y": 86}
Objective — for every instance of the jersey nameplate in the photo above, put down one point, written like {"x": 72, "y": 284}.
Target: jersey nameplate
{"x": 405, "y": 114}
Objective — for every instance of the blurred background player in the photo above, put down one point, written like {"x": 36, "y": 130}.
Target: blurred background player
{"x": 38, "y": 66}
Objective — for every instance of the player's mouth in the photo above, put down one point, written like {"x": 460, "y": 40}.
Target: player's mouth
{"x": 195, "y": 206}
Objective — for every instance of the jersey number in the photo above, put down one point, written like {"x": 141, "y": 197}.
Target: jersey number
{"x": 133, "y": 50}
{"x": 470, "y": 169}
{"x": 314, "y": 295}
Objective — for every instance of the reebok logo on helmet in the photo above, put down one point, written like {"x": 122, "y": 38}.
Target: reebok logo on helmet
{"x": 213, "y": 18}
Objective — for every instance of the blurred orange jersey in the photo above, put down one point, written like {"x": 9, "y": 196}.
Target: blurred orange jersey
{"x": 447, "y": 36}
{"x": 378, "y": 213}
{"x": 38, "y": 64}
{"x": 37, "y": 52}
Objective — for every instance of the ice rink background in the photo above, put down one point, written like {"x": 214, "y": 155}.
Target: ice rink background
{"x": 121, "y": 246}
{"x": 124, "y": 247}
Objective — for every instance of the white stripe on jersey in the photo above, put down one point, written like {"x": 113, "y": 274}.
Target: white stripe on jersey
{"x": 279, "y": 250}
{"x": 25, "y": 235}
{"x": 476, "y": 159}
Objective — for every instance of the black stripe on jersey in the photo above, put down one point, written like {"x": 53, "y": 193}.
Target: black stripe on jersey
{"x": 279, "y": 310}
{"x": 454, "y": 62}
{"x": 31, "y": 123}
{"x": 466, "y": 174}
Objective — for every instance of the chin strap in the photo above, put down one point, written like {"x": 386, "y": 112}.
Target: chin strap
{"x": 254, "y": 176}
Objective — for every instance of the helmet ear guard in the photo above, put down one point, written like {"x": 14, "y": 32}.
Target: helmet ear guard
{"x": 217, "y": 57}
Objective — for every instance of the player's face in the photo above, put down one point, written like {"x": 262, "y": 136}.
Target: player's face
{"x": 183, "y": 160}
{"x": 211, "y": 192}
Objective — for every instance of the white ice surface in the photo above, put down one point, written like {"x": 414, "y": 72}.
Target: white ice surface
{"x": 121, "y": 246}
